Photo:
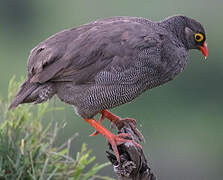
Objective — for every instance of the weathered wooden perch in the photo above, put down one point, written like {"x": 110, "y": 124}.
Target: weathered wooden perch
{"x": 134, "y": 165}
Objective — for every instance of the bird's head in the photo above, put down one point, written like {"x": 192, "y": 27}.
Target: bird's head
{"x": 189, "y": 31}
{"x": 195, "y": 36}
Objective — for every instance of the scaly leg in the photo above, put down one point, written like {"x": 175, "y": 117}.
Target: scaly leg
{"x": 100, "y": 120}
{"x": 115, "y": 121}
{"x": 119, "y": 123}
{"x": 114, "y": 140}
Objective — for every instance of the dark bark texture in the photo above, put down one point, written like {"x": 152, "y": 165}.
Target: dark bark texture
{"x": 133, "y": 165}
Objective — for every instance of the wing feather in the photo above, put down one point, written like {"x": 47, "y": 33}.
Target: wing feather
{"x": 79, "y": 54}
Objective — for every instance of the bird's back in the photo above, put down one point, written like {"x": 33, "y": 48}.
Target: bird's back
{"x": 84, "y": 46}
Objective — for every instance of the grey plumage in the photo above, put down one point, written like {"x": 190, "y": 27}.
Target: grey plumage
{"x": 108, "y": 62}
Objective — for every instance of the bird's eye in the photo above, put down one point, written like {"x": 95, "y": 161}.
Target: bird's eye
{"x": 199, "y": 37}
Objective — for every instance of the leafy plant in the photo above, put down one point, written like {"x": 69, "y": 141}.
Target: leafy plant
{"x": 28, "y": 150}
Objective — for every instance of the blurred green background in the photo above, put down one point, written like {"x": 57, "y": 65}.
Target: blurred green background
{"x": 182, "y": 121}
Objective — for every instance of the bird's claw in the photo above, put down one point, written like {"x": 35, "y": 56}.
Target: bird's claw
{"x": 119, "y": 139}
{"x": 121, "y": 123}
{"x": 131, "y": 123}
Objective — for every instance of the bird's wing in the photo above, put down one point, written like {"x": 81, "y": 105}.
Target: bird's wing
{"x": 48, "y": 58}
{"x": 80, "y": 54}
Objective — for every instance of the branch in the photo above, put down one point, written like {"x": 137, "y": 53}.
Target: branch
{"x": 133, "y": 165}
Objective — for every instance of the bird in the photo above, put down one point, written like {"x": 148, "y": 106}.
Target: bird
{"x": 109, "y": 62}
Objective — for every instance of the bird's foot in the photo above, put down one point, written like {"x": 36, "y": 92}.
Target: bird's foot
{"x": 115, "y": 121}
{"x": 116, "y": 140}
{"x": 131, "y": 123}
{"x": 120, "y": 123}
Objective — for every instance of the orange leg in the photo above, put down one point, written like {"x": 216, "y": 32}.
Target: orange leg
{"x": 114, "y": 140}
{"x": 115, "y": 120}
{"x": 100, "y": 120}
{"x": 106, "y": 114}
{"x": 119, "y": 123}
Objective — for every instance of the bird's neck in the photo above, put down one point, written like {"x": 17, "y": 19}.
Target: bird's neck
{"x": 176, "y": 26}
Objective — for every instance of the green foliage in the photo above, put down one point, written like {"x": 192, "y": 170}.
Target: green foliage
{"x": 28, "y": 150}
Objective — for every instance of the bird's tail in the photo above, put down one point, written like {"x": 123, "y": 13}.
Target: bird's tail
{"x": 24, "y": 91}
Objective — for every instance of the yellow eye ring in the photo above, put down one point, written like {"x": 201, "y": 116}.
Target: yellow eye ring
{"x": 198, "y": 37}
